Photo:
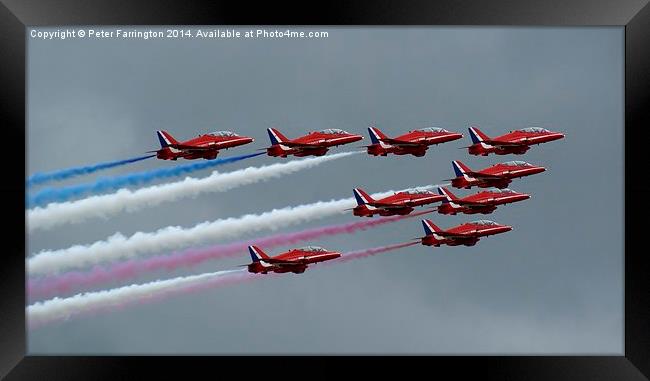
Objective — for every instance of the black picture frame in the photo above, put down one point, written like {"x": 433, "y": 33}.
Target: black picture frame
{"x": 16, "y": 15}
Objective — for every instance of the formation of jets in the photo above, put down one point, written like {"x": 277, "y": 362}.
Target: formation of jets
{"x": 317, "y": 143}
{"x": 415, "y": 142}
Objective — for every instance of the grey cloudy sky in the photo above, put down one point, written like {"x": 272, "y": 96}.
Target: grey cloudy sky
{"x": 554, "y": 285}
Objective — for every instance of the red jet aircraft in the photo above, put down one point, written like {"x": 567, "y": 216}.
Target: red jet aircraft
{"x": 415, "y": 142}
{"x": 467, "y": 234}
{"x": 498, "y": 175}
{"x": 400, "y": 203}
{"x": 205, "y": 146}
{"x": 294, "y": 260}
{"x": 316, "y": 143}
{"x": 515, "y": 142}
{"x": 483, "y": 202}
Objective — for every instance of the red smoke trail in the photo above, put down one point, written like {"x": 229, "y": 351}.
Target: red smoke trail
{"x": 60, "y": 284}
{"x": 372, "y": 251}
{"x": 59, "y": 310}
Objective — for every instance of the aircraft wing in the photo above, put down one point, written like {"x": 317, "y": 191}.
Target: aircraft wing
{"x": 505, "y": 143}
{"x": 193, "y": 148}
{"x": 470, "y": 204}
{"x": 454, "y": 235}
{"x": 388, "y": 206}
{"x": 403, "y": 143}
{"x": 301, "y": 145}
{"x": 478, "y": 206}
{"x": 484, "y": 176}
{"x": 283, "y": 262}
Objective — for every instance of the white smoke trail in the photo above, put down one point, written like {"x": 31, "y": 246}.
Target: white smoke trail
{"x": 132, "y": 200}
{"x": 61, "y": 308}
{"x": 119, "y": 246}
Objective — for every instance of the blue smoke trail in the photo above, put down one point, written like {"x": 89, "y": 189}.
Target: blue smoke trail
{"x": 40, "y": 178}
{"x": 104, "y": 184}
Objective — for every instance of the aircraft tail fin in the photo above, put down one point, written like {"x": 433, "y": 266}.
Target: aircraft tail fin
{"x": 429, "y": 227}
{"x": 165, "y": 138}
{"x": 376, "y": 135}
{"x": 276, "y": 136}
{"x": 362, "y": 197}
{"x": 257, "y": 254}
{"x": 477, "y": 135}
{"x": 447, "y": 193}
{"x": 460, "y": 168}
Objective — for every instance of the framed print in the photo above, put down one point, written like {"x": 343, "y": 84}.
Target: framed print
{"x": 450, "y": 180}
